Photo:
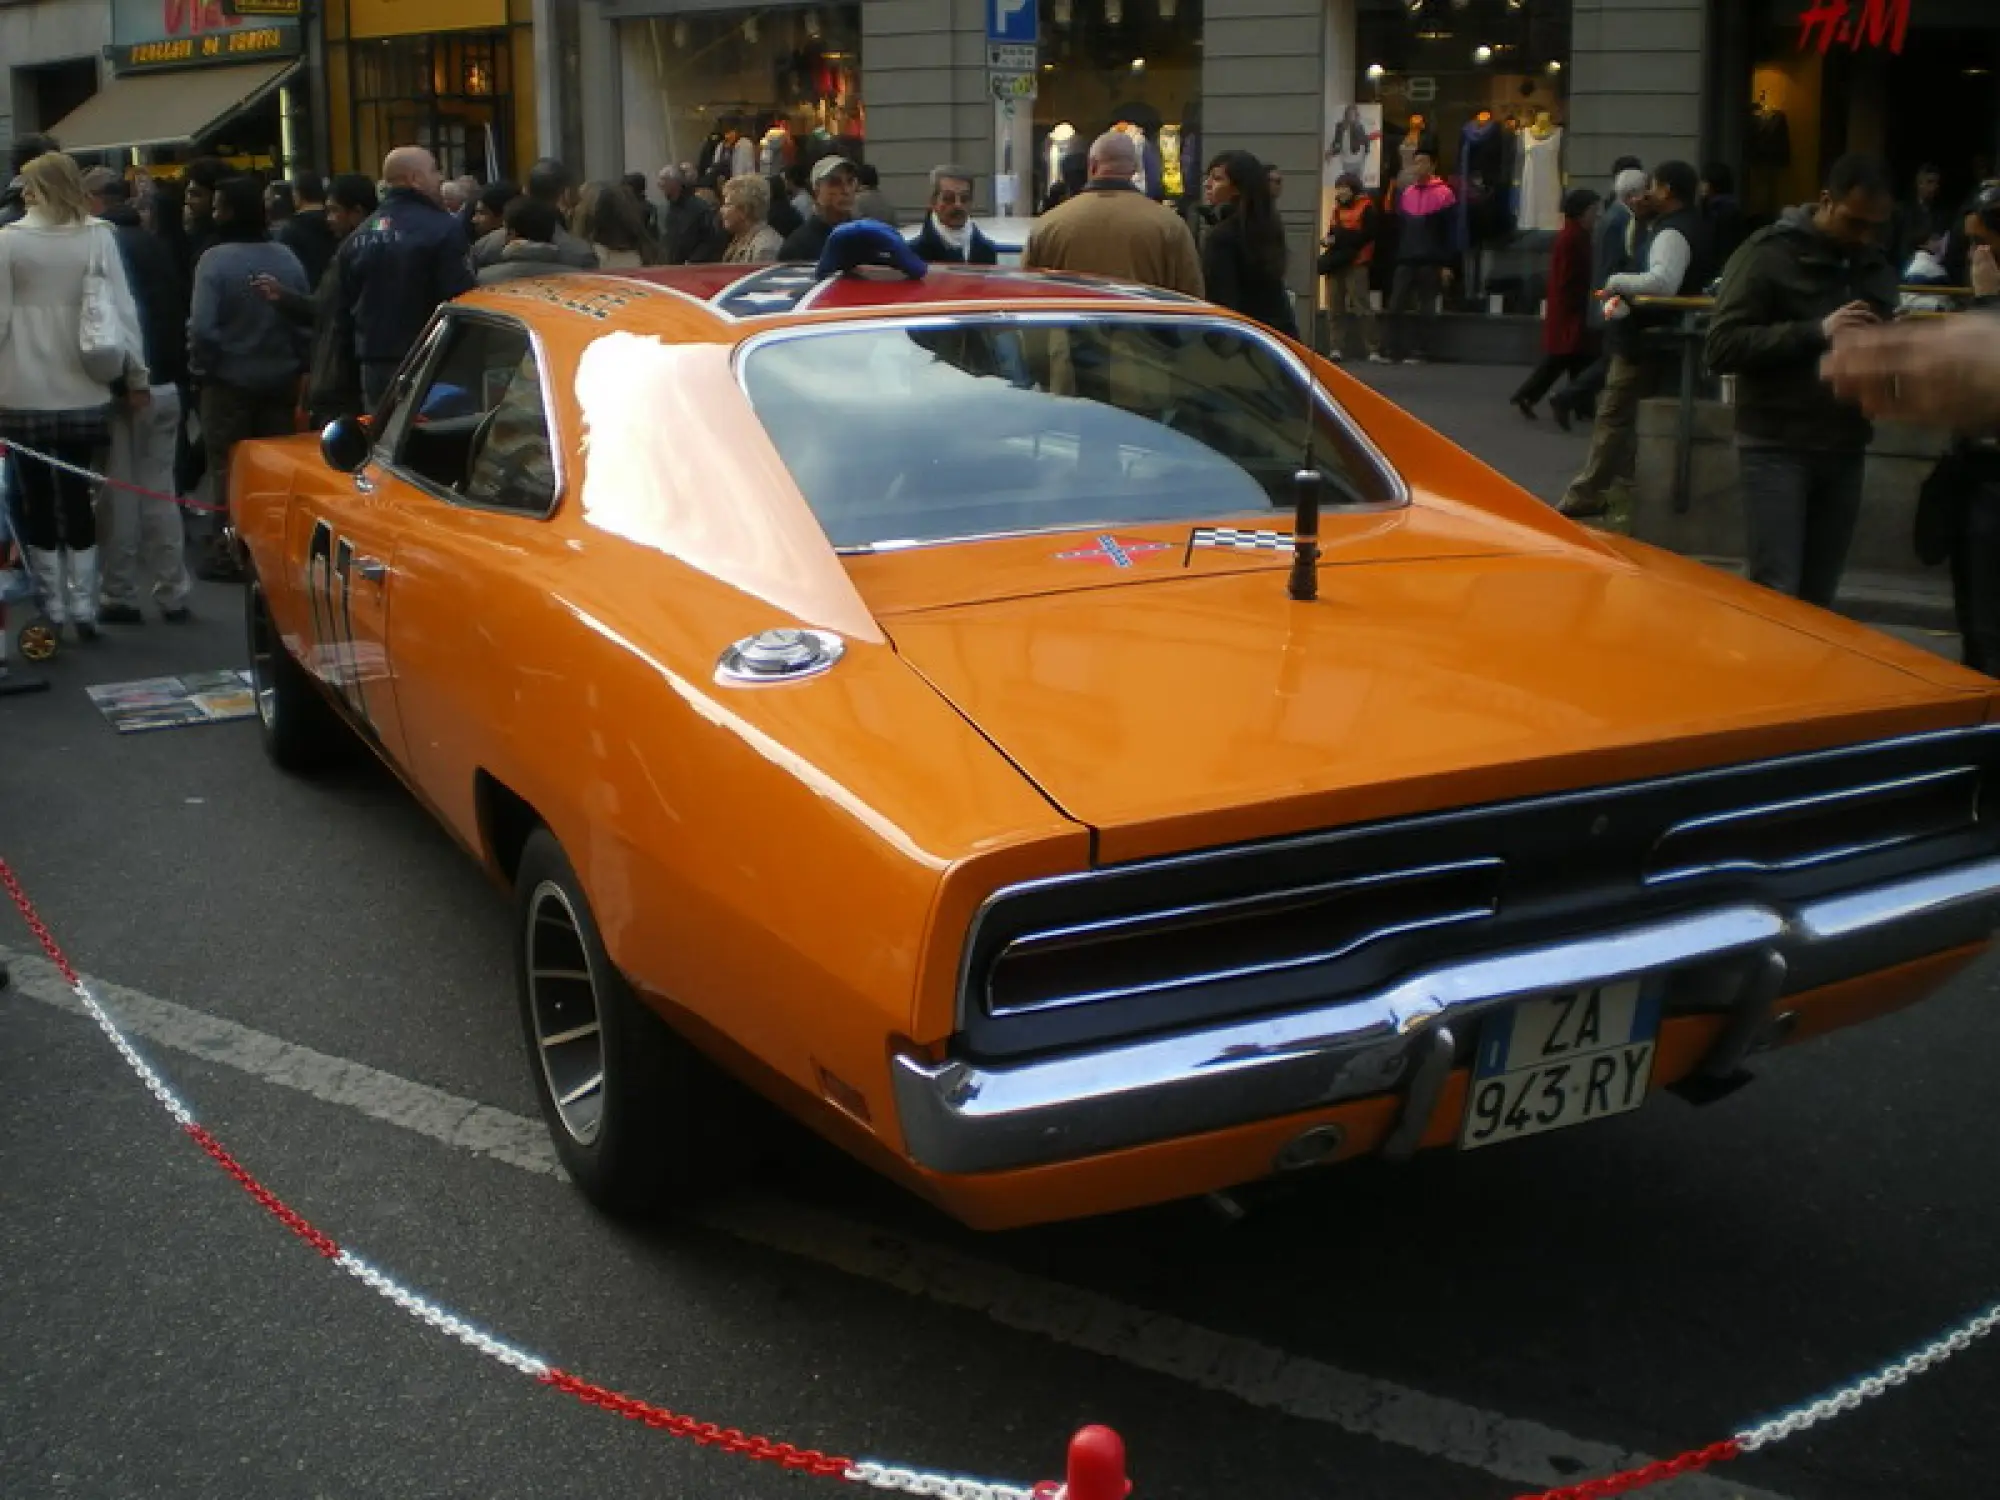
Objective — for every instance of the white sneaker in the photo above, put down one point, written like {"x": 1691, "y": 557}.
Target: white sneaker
{"x": 1380, "y": 359}
{"x": 1336, "y": 356}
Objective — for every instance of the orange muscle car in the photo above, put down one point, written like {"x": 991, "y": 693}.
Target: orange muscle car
{"x": 1075, "y": 749}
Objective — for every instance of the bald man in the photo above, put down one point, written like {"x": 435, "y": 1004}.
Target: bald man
{"x": 407, "y": 257}
{"x": 1113, "y": 229}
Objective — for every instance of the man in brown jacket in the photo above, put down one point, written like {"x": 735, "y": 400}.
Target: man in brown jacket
{"x": 1113, "y": 229}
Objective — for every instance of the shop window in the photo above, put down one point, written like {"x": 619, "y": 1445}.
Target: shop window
{"x": 1481, "y": 84}
{"x": 1133, "y": 65}
{"x": 758, "y": 89}
{"x": 450, "y": 93}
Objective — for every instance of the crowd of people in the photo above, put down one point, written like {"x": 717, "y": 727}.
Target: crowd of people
{"x": 149, "y": 327}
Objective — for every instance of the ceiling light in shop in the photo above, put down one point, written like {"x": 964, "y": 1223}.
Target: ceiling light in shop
{"x": 1138, "y": 65}
{"x": 1555, "y": 67}
{"x": 1482, "y": 54}
{"x": 1376, "y": 72}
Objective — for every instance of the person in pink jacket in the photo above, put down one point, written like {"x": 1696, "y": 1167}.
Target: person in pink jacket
{"x": 1426, "y": 250}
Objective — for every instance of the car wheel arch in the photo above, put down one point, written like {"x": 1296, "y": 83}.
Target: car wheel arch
{"x": 507, "y": 820}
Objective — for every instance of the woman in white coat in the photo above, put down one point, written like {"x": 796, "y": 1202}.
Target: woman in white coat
{"x": 49, "y": 400}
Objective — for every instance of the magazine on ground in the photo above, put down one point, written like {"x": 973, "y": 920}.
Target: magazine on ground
{"x": 172, "y": 702}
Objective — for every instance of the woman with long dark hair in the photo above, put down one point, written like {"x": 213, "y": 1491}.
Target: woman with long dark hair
{"x": 611, "y": 220}
{"x": 1243, "y": 258}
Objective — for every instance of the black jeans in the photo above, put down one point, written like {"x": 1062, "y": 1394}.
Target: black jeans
{"x": 1799, "y": 510}
{"x": 1585, "y": 388}
{"x": 1420, "y": 286}
{"x": 1552, "y": 368}
{"x": 1975, "y": 579}
{"x": 56, "y": 506}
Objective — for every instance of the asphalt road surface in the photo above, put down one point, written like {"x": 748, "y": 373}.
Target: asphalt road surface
{"x": 323, "y": 976}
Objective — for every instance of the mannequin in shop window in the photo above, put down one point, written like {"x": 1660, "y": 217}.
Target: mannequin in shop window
{"x": 1767, "y": 153}
{"x": 1483, "y": 214}
{"x": 1542, "y": 173}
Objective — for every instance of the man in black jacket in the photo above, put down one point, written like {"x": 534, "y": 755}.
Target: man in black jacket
{"x": 1788, "y": 296}
{"x": 949, "y": 235}
{"x": 691, "y": 232}
{"x": 333, "y": 386}
{"x": 140, "y": 536}
{"x": 834, "y": 186}
{"x": 398, "y": 267}
{"x": 306, "y": 233}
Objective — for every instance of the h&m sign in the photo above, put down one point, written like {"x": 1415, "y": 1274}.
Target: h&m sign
{"x": 1826, "y": 24}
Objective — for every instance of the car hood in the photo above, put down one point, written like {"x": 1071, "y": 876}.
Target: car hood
{"x": 1195, "y": 710}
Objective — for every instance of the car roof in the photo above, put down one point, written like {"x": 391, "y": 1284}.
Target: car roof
{"x": 730, "y": 302}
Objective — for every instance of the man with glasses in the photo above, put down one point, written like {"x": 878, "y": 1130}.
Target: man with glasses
{"x": 949, "y": 236}
{"x": 834, "y": 184}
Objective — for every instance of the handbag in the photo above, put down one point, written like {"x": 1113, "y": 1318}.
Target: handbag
{"x": 100, "y": 340}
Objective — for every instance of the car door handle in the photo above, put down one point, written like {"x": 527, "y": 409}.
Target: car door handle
{"x": 372, "y": 568}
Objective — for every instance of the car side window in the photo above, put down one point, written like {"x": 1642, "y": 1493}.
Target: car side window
{"x": 477, "y": 428}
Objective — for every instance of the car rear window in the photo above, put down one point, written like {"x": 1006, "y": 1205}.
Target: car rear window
{"x": 972, "y": 427}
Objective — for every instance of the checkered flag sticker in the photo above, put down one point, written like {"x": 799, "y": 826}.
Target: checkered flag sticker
{"x": 1237, "y": 539}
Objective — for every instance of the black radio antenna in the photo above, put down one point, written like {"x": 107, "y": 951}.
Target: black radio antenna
{"x": 1306, "y": 485}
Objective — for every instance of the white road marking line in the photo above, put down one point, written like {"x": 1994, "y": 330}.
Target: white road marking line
{"x": 1509, "y": 1448}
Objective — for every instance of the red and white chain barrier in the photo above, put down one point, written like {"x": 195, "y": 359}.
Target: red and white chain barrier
{"x": 7, "y": 447}
{"x": 1096, "y": 1462}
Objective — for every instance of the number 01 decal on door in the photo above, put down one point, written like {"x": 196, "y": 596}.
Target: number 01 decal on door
{"x": 330, "y": 585}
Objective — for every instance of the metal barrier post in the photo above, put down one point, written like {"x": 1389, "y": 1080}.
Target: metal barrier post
{"x": 1684, "y": 436}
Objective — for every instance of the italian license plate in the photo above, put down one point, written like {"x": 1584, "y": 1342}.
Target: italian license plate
{"x": 1566, "y": 1060}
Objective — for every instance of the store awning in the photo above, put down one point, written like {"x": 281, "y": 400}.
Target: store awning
{"x": 166, "y": 109}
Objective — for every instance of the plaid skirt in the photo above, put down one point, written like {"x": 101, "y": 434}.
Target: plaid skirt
{"x": 88, "y": 426}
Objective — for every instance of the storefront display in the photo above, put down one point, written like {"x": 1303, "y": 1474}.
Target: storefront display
{"x": 731, "y": 92}
{"x": 1483, "y": 81}
{"x": 1911, "y": 81}
{"x": 453, "y": 76}
{"x": 1130, "y": 65}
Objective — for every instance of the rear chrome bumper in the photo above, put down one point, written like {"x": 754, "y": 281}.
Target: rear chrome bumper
{"x": 959, "y": 1117}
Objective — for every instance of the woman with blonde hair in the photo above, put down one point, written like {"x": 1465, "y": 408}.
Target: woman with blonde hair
{"x": 746, "y": 202}
{"x": 55, "y": 397}
{"x": 609, "y": 217}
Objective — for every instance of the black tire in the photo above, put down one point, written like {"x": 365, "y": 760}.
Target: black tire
{"x": 300, "y": 730}
{"x": 656, "y": 1130}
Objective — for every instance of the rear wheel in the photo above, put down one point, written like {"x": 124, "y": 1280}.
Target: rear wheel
{"x": 301, "y": 732}
{"x": 638, "y": 1117}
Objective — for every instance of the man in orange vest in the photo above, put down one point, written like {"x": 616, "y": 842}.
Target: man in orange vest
{"x": 1345, "y": 258}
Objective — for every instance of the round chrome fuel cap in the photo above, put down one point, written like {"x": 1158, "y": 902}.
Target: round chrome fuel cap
{"x": 779, "y": 656}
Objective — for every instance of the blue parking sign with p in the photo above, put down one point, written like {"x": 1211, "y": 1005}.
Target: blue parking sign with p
{"x": 1011, "y": 21}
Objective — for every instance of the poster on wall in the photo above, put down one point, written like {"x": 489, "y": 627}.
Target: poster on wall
{"x": 1355, "y": 146}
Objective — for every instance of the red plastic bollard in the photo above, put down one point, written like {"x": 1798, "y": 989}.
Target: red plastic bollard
{"x": 1097, "y": 1466}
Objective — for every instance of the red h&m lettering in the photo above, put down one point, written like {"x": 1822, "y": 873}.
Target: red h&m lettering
{"x": 1824, "y": 24}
